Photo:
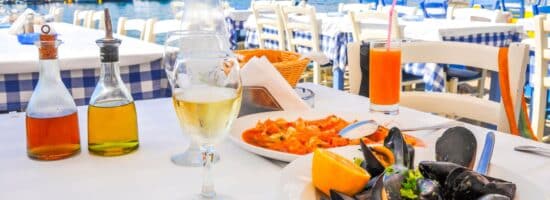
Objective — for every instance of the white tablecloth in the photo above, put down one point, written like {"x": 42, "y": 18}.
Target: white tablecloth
{"x": 149, "y": 174}
{"x": 78, "y": 51}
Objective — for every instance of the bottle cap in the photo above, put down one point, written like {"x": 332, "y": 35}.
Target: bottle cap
{"x": 108, "y": 45}
{"x": 47, "y": 46}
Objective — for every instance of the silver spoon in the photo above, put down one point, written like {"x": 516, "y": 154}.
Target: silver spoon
{"x": 533, "y": 149}
{"x": 370, "y": 126}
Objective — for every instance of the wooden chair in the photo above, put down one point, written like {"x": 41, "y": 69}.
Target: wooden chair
{"x": 81, "y": 17}
{"x": 161, "y": 27}
{"x": 140, "y": 25}
{"x": 269, "y": 16}
{"x": 434, "y": 8}
{"x": 474, "y": 14}
{"x": 96, "y": 20}
{"x": 308, "y": 24}
{"x": 451, "y": 104}
{"x": 356, "y": 7}
{"x": 540, "y": 80}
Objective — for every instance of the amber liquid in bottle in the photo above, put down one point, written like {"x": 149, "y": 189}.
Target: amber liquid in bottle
{"x": 52, "y": 138}
{"x": 112, "y": 131}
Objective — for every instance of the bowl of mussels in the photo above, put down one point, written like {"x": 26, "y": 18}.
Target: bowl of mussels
{"x": 444, "y": 171}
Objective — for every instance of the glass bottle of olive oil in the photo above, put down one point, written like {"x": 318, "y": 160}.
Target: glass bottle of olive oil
{"x": 112, "y": 120}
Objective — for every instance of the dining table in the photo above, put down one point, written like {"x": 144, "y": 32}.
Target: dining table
{"x": 149, "y": 174}
{"x": 78, "y": 55}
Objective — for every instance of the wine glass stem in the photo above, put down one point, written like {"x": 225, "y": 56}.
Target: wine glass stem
{"x": 207, "y": 181}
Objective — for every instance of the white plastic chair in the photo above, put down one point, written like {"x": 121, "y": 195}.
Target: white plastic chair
{"x": 96, "y": 20}
{"x": 452, "y": 104}
{"x": 140, "y": 25}
{"x": 475, "y": 14}
{"x": 309, "y": 24}
{"x": 269, "y": 16}
{"x": 56, "y": 13}
{"x": 81, "y": 17}
{"x": 373, "y": 25}
{"x": 356, "y": 7}
{"x": 161, "y": 27}
{"x": 540, "y": 80}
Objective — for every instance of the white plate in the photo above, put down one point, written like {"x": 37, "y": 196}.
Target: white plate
{"x": 296, "y": 176}
{"x": 249, "y": 121}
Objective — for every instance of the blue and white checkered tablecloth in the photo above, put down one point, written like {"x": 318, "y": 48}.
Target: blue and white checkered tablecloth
{"x": 234, "y": 28}
{"x": 333, "y": 46}
{"x": 145, "y": 81}
{"x": 434, "y": 74}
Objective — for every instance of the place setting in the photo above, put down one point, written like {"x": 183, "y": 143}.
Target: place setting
{"x": 297, "y": 100}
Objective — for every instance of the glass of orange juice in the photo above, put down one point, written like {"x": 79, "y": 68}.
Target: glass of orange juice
{"x": 385, "y": 76}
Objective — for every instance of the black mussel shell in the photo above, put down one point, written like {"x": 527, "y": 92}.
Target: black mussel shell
{"x": 392, "y": 184}
{"x": 457, "y": 145}
{"x": 375, "y": 190}
{"x": 396, "y": 142}
{"x": 493, "y": 197}
{"x": 335, "y": 195}
{"x": 371, "y": 163}
{"x": 409, "y": 159}
{"x": 429, "y": 189}
{"x": 437, "y": 170}
{"x": 466, "y": 184}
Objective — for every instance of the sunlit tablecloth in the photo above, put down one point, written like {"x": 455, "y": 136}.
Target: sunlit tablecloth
{"x": 149, "y": 174}
{"x": 79, "y": 62}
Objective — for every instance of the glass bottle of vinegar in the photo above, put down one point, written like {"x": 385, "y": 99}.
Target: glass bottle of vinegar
{"x": 112, "y": 120}
{"x": 51, "y": 115}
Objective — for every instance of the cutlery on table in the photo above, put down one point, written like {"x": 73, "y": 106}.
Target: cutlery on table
{"x": 369, "y": 126}
{"x": 533, "y": 149}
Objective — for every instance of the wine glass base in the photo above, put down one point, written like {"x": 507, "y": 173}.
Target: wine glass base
{"x": 200, "y": 197}
{"x": 191, "y": 158}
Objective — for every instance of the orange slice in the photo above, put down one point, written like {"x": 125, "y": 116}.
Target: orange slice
{"x": 332, "y": 171}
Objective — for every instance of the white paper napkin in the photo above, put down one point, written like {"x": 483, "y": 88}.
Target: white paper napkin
{"x": 260, "y": 72}
{"x": 17, "y": 26}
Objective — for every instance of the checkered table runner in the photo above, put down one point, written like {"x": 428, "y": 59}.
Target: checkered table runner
{"x": 145, "y": 81}
{"x": 333, "y": 46}
{"x": 434, "y": 74}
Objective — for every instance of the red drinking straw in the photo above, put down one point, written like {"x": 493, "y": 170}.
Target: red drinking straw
{"x": 390, "y": 24}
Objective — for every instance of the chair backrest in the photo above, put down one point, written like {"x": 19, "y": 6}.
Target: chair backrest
{"x": 269, "y": 16}
{"x": 373, "y": 25}
{"x": 402, "y": 10}
{"x": 301, "y": 19}
{"x": 161, "y": 27}
{"x": 542, "y": 57}
{"x": 140, "y": 25}
{"x": 487, "y": 4}
{"x": 517, "y": 7}
{"x": 96, "y": 20}
{"x": 473, "y": 14}
{"x": 479, "y": 56}
{"x": 81, "y": 17}
{"x": 537, "y": 9}
{"x": 56, "y": 13}
{"x": 434, "y": 8}
{"x": 356, "y": 7}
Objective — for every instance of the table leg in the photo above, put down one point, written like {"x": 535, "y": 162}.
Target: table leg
{"x": 494, "y": 90}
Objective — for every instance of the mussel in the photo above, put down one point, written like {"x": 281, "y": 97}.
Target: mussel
{"x": 429, "y": 189}
{"x": 335, "y": 195}
{"x": 404, "y": 154}
{"x": 460, "y": 183}
{"x": 493, "y": 197}
{"x": 371, "y": 163}
{"x": 457, "y": 145}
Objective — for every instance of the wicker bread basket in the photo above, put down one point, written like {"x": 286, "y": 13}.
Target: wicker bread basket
{"x": 287, "y": 63}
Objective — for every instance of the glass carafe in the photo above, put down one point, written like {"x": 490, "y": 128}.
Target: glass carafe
{"x": 112, "y": 120}
{"x": 51, "y": 115}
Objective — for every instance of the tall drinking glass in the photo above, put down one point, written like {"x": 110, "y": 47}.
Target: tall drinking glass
{"x": 385, "y": 76}
{"x": 206, "y": 92}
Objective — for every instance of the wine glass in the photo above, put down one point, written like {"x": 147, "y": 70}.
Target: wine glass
{"x": 206, "y": 92}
